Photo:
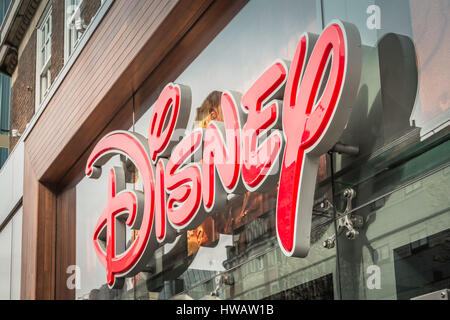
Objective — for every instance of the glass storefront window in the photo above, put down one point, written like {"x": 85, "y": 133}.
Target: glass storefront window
{"x": 261, "y": 32}
{"x": 402, "y": 109}
{"x": 404, "y": 248}
{"x": 272, "y": 275}
{"x": 400, "y": 124}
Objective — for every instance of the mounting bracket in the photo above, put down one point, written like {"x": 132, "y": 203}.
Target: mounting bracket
{"x": 350, "y": 223}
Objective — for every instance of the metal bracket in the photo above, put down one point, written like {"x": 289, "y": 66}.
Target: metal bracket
{"x": 345, "y": 149}
{"x": 346, "y": 221}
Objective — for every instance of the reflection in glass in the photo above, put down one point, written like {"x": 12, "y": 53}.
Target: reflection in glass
{"x": 262, "y": 32}
{"x": 400, "y": 228}
{"x": 78, "y": 16}
{"x": 423, "y": 265}
{"x": 317, "y": 289}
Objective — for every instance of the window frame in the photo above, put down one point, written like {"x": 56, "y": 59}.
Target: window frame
{"x": 69, "y": 49}
{"x": 43, "y": 51}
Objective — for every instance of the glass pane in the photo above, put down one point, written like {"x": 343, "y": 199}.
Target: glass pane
{"x": 48, "y": 48}
{"x": 49, "y": 25}
{"x": 43, "y": 56}
{"x": 402, "y": 110}
{"x": 403, "y": 250}
{"x": 401, "y": 136}
{"x": 240, "y": 242}
{"x": 4, "y": 6}
{"x": 73, "y": 39}
{"x": 92, "y": 273}
{"x": 49, "y": 81}
{"x": 271, "y": 275}
{"x": 430, "y": 32}
{"x": 43, "y": 38}
{"x": 400, "y": 124}
{"x": 88, "y": 9}
{"x": 79, "y": 16}
{"x": 262, "y": 32}
{"x": 44, "y": 84}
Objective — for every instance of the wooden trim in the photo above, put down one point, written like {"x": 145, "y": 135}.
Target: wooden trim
{"x": 38, "y": 237}
{"x": 65, "y": 242}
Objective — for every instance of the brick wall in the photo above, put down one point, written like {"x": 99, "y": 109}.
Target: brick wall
{"x": 23, "y": 90}
{"x": 88, "y": 9}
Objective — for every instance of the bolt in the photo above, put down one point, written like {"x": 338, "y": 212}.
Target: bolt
{"x": 349, "y": 193}
{"x": 351, "y": 235}
{"x": 329, "y": 244}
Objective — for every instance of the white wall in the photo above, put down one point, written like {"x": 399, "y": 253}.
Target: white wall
{"x": 11, "y": 192}
{"x": 11, "y": 258}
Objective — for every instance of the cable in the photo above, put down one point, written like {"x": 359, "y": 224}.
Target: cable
{"x": 338, "y": 264}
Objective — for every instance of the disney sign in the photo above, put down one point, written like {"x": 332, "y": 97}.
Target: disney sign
{"x": 179, "y": 193}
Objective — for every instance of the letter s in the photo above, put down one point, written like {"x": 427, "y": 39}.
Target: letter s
{"x": 183, "y": 183}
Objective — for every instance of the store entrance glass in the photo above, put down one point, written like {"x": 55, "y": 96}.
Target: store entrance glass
{"x": 403, "y": 250}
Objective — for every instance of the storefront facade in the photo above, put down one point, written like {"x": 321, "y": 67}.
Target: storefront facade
{"x": 383, "y": 188}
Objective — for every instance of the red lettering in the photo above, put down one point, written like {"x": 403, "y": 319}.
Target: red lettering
{"x": 221, "y": 160}
{"x": 171, "y": 112}
{"x": 258, "y": 163}
{"x": 183, "y": 183}
{"x": 312, "y": 125}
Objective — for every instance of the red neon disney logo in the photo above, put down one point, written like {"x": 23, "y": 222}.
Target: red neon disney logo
{"x": 180, "y": 193}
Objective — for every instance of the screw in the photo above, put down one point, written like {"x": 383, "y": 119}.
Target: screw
{"x": 352, "y": 234}
{"x": 349, "y": 193}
